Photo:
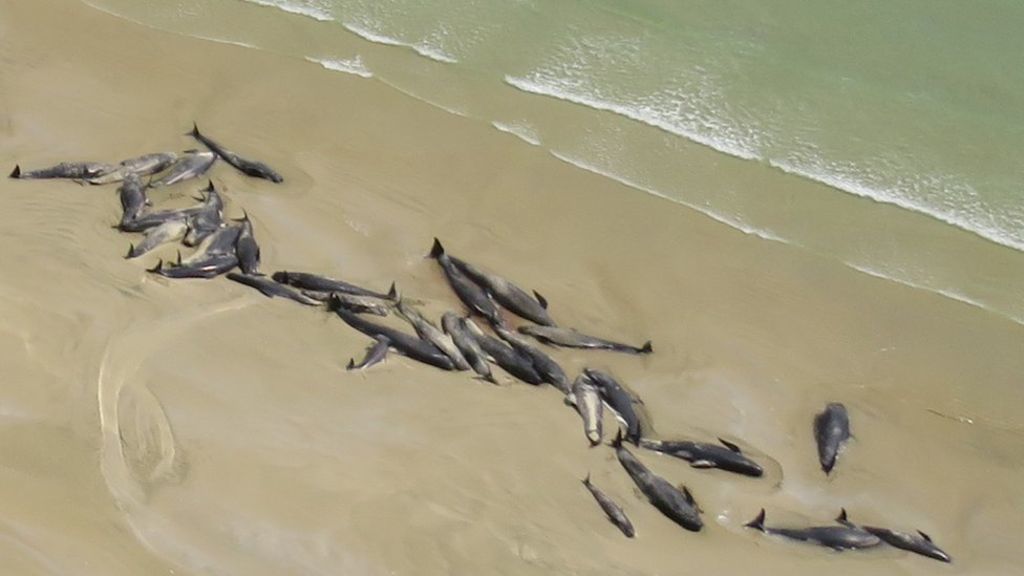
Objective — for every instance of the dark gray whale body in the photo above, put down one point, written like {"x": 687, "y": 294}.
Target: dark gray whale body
{"x": 570, "y": 338}
{"x": 587, "y": 400}
{"x": 193, "y": 164}
{"x": 306, "y": 281}
{"x": 409, "y": 345}
{"x": 831, "y": 431}
{"x": 919, "y": 543}
{"x": 544, "y": 365}
{"x": 678, "y": 505}
{"x": 508, "y": 358}
{"x": 270, "y": 289}
{"x": 727, "y": 456}
{"x": 508, "y": 294}
{"x": 471, "y": 293}
{"x": 70, "y": 170}
{"x": 621, "y": 401}
{"x": 248, "y": 167}
{"x": 612, "y": 510}
{"x": 471, "y": 350}
{"x": 209, "y": 267}
{"x": 835, "y": 537}
{"x": 133, "y": 198}
{"x": 248, "y": 250}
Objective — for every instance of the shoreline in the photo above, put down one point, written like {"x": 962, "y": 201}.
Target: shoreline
{"x": 407, "y": 469}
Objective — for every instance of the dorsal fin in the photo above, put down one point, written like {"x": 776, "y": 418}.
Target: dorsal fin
{"x": 757, "y": 523}
{"x": 842, "y": 516}
{"x": 730, "y": 445}
{"x": 16, "y": 173}
{"x": 437, "y": 250}
{"x": 541, "y": 300}
{"x": 925, "y": 536}
{"x": 393, "y": 292}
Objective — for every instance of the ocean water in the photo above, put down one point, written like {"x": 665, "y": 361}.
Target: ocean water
{"x": 884, "y": 136}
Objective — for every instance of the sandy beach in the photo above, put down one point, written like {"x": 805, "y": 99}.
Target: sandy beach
{"x": 150, "y": 426}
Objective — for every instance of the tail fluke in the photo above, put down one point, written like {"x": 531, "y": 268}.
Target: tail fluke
{"x": 646, "y": 348}
{"x": 158, "y": 268}
{"x": 351, "y": 364}
{"x": 757, "y": 523}
{"x": 437, "y": 250}
{"x": 16, "y": 173}
{"x": 194, "y": 132}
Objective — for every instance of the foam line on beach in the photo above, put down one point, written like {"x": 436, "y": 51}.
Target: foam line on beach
{"x": 730, "y": 221}
{"x": 426, "y": 50}
{"x": 524, "y": 133}
{"x": 354, "y": 66}
{"x": 300, "y": 8}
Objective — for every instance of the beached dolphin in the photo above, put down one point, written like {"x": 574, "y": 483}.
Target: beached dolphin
{"x": 545, "y": 365}
{"x": 675, "y": 503}
{"x": 144, "y": 165}
{"x": 503, "y": 355}
{"x": 570, "y": 338}
{"x": 471, "y": 293}
{"x": 306, "y": 281}
{"x": 169, "y": 231}
{"x": 831, "y": 431}
{"x": 471, "y": 350}
{"x": 919, "y": 543}
{"x": 248, "y": 167}
{"x": 627, "y": 406}
{"x": 247, "y": 249}
{"x": 270, "y": 289}
{"x": 834, "y": 537}
{"x": 614, "y": 512}
{"x": 192, "y": 164}
{"x": 374, "y": 354}
{"x": 70, "y": 170}
{"x": 133, "y": 198}
{"x": 512, "y": 297}
{"x": 209, "y": 267}
{"x": 727, "y": 457}
{"x": 587, "y": 400}
{"x": 407, "y": 344}
{"x": 427, "y": 331}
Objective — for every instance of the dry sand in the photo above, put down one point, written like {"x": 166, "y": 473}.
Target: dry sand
{"x": 196, "y": 427}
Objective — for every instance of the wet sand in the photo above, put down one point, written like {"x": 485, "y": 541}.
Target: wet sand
{"x": 196, "y": 427}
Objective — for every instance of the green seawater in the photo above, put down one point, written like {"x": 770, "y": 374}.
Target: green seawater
{"x": 884, "y": 135}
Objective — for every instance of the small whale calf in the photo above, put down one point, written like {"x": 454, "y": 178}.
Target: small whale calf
{"x": 836, "y": 537}
{"x": 919, "y": 543}
{"x": 571, "y": 338}
{"x": 675, "y": 503}
{"x": 612, "y": 510}
{"x": 374, "y": 354}
{"x": 133, "y": 198}
{"x": 831, "y": 431}
{"x": 726, "y": 456}
{"x": 248, "y": 167}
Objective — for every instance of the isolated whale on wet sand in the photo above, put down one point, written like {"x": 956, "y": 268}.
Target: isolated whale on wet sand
{"x": 68, "y": 170}
{"x": 247, "y": 167}
{"x": 831, "y": 431}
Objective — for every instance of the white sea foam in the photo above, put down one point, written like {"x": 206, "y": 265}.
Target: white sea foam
{"x": 350, "y": 66}
{"x": 731, "y": 221}
{"x": 523, "y": 132}
{"x": 421, "y": 48}
{"x": 645, "y": 114}
{"x": 309, "y": 8}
